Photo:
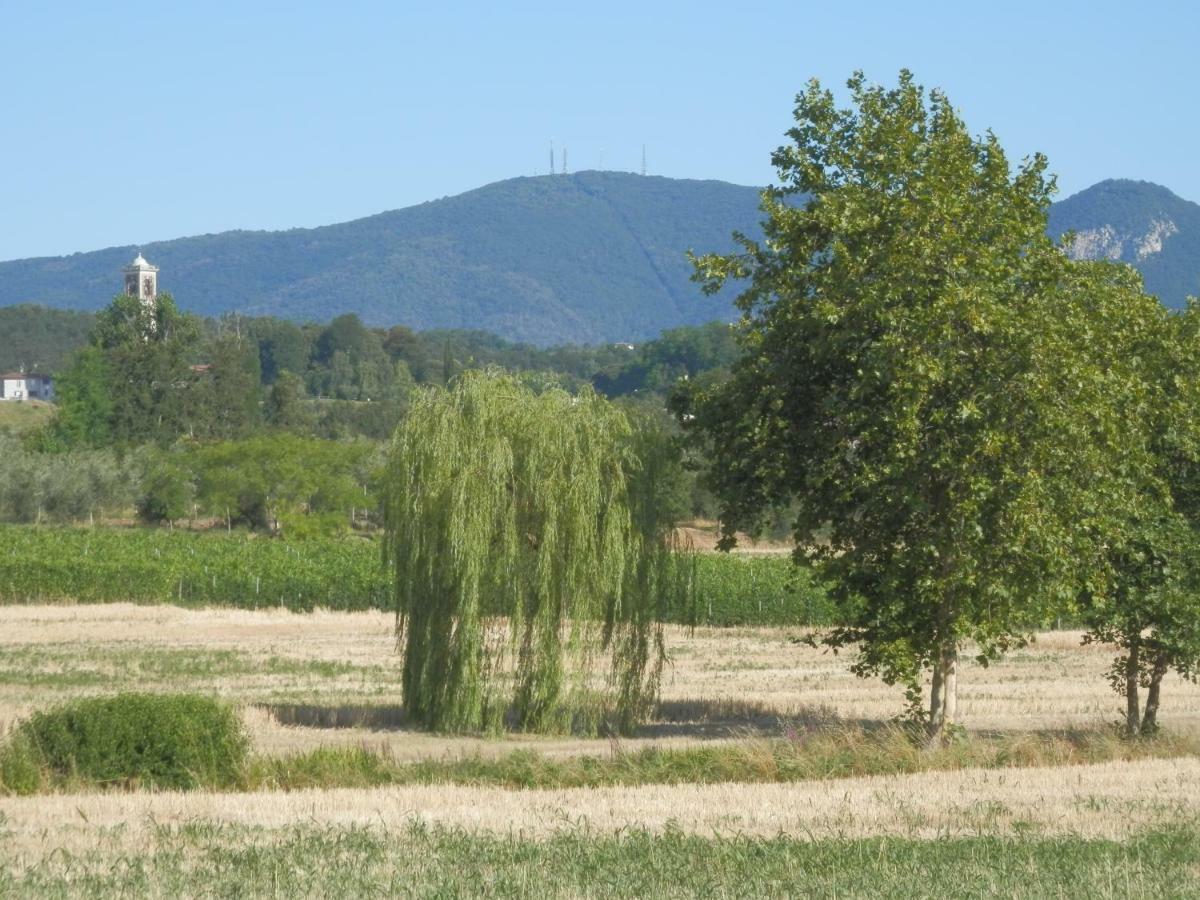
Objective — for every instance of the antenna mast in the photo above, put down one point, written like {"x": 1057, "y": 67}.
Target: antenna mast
{"x": 643, "y": 159}
{"x": 552, "y": 157}
{"x": 564, "y": 171}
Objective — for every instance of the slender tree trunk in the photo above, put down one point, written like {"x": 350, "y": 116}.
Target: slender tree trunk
{"x": 950, "y": 686}
{"x": 935, "y": 695}
{"x": 943, "y": 700}
{"x": 1150, "y": 718}
{"x": 1132, "y": 717}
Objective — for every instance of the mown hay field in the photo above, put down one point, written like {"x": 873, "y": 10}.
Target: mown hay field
{"x": 312, "y": 679}
{"x": 1128, "y": 827}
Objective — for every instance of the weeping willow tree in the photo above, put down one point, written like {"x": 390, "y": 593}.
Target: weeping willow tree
{"x": 532, "y": 565}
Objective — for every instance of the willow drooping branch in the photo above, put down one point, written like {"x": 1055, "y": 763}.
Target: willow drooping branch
{"x": 526, "y": 546}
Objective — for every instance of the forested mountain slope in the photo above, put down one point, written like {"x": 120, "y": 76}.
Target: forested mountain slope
{"x": 596, "y": 256}
{"x": 588, "y": 258}
{"x": 1142, "y": 224}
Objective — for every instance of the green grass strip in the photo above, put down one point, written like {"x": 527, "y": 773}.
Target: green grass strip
{"x": 153, "y": 565}
{"x": 839, "y": 753}
{"x": 204, "y": 859}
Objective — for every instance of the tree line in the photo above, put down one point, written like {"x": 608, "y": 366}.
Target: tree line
{"x": 159, "y": 401}
{"x": 230, "y": 377}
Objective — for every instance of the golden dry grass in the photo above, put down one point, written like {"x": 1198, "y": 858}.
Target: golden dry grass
{"x": 1112, "y": 800}
{"x": 722, "y": 684}
{"x": 720, "y": 681}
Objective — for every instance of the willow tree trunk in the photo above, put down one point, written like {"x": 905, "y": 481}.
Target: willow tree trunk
{"x": 1132, "y": 716}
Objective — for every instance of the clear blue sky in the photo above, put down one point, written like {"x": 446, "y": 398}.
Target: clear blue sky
{"x": 127, "y": 123}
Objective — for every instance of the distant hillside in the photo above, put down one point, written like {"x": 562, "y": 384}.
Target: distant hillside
{"x": 596, "y": 256}
{"x": 588, "y": 258}
{"x": 40, "y": 340}
{"x": 1139, "y": 223}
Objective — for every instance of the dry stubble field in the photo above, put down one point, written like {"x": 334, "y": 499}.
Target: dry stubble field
{"x": 340, "y": 669}
{"x": 334, "y": 678}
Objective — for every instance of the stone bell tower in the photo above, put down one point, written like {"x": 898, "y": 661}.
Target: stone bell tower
{"x": 141, "y": 281}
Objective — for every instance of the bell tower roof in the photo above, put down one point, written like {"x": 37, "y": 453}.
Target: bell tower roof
{"x": 140, "y": 264}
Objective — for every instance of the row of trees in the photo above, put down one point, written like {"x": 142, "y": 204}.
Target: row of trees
{"x": 151, "y": 378}
{"x": 276, "y": 482}
{"x": 39, "y": 487}
{"x": 982, "y": 431}
{"x": 280, "y": 483}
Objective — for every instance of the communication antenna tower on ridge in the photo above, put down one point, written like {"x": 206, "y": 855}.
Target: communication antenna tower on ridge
{"x": 643, "y": 159}
{"x": 552, "y": 157}
{"x": 564, "y": 171}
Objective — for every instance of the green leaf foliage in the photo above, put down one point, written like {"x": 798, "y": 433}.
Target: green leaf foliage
{"x": 278, "y": 481}
{"x": 157, "y": 740}
{"x": 939, "y": 388}
{"x": 1146, "y": 600}
{"x": 523, "y": 537}
{"x": 40, "y": 339}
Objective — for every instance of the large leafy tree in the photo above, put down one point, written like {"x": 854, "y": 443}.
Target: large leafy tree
{"x": 914, "y": 378}
{"x": 84, "y": 401}
{"x": 222, "y": 400}
{"x": 130, "y": 385}
{"x": 1147, "y": 600}
{"x": 526, "y": 537}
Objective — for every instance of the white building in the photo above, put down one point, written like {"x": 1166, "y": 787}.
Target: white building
{"x": 26, "y": 386}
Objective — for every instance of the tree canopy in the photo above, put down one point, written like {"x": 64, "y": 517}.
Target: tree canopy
{"x": 524, "y": 535}
{"x": 923, "y": 373}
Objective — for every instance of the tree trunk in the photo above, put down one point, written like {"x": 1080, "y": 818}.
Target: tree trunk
{"x": 943, "y": 699}
{"x": 1132, "y": 718}
{"x": 1150, "y": 718}
{"x": 950, "y": 687}
{"x": 935, "y": 695}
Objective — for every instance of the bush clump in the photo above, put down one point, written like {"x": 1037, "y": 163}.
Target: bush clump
{"x": 153, "y": 740}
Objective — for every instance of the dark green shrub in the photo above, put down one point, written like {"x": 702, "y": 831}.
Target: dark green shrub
{"x": 20, "y": 770}
{"x": 167, "y": 494}
{"x": 159, "y": 740}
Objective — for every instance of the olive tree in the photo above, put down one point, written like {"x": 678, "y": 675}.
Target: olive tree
{"x": 524, "y": 534}
{"x": 915, "y": 379}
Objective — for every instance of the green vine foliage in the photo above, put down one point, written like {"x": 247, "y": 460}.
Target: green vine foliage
{"x": 531, "y": 566}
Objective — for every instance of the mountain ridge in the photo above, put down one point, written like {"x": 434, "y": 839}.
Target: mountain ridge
{"x": 1140, "y": 223}
{"x": 584, "y": 258}
{"x": 589, "y": 257}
